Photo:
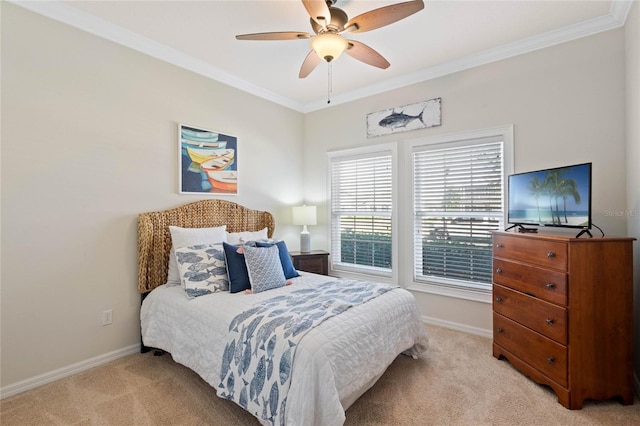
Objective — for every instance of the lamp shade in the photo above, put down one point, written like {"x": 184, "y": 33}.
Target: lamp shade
{"x": 329, "y": 46}
{"x": 304, "y": 215}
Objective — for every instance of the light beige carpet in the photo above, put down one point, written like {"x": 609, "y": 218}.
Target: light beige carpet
{"x": 457, "y": 382}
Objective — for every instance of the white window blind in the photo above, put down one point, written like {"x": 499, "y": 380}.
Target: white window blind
{"x": 458, "y": 201}
{"x": 361, "y": 212}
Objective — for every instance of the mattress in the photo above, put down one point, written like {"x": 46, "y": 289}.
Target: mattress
{"x": 335, "y": 363}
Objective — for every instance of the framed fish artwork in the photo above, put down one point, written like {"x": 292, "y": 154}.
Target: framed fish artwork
{"x": 420, "y": 115}
{"x": 208, "y": 162}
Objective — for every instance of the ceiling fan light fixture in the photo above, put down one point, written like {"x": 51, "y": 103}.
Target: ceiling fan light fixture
{"x": 329, "y": 46}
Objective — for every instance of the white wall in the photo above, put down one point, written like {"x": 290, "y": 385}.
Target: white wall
{"x": 632, "y": 38}
{"x": 89, "y": 141}
{"x": 567, "y": 105}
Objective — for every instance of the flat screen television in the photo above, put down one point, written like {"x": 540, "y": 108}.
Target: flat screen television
{"x": 552, "y": 197}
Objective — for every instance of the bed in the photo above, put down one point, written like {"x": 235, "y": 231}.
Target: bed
{"x": 334, "y": 362}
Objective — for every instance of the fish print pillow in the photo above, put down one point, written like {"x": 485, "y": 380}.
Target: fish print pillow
{"x": 202, "y": 269}
{"x": 187, "y": 237}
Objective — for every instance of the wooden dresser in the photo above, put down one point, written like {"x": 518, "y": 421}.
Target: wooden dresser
{"x": 563, "y": 313}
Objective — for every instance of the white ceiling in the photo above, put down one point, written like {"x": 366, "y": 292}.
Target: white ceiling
{"x": 445, "y": 37}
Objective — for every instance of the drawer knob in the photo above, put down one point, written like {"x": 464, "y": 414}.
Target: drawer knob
{"x": 550, "y": 254}
{"x": 499, "y": 245}
{"x": 551, "y": 286}
{"x": 551, "y": 360}
{"x": 498, "y": 271}
{"x": 549, "y": 321}
{"x": 498, "y": 330}
{"x": 499, "y": 299}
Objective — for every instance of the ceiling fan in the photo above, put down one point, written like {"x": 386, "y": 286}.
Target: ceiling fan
{"x": 329, "y": 23}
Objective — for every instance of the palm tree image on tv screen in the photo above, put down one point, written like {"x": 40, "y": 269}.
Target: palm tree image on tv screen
{"x": 552, "y": 197}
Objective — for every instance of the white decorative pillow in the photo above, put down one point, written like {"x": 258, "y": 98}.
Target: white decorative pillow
{"x": 187, "y": 237}
{"x": 238, "y": 238}
{"x": 202, "y": 269}
{"x": 264, "y": 268}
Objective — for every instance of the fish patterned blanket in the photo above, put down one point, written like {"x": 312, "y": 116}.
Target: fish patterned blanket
{"x": 257, "y": 360}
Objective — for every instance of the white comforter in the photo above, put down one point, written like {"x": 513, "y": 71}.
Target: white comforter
{"x": 335, "y": 363}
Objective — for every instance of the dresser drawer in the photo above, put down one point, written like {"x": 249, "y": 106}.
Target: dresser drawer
{"x": 312, "y": 264}
{"x": 541, "y": 283}
{"x": 545, "y": 318}
{"x": 541, "y": 353}
{"x": 316, "y": 261}
{"x": 549, "y": 254}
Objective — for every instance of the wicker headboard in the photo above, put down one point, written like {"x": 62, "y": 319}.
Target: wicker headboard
{"x": 154, "y": 239}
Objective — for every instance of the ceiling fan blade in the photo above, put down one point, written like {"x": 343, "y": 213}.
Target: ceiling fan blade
{"x": 310, "y": 63}
{"x": 382, "y": 16}
{"x": 280, "y": 35}
{"x": 364, "y": 53}
{"x": 319, "y": 11}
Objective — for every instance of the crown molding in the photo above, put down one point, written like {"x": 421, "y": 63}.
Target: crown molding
{"x": 57, "y": 10}
{"x": 620, "y": 10}
{"x": 616, "y": 18}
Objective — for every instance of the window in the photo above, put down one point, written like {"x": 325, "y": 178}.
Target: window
{"x": 362, "y": 199}
{"x": 458, "y": 189}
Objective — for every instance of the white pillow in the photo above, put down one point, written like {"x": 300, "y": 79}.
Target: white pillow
{"x": 239, "y": 238}
{"x": 187, "y": 237}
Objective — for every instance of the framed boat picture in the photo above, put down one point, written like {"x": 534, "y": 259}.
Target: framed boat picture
{"x": 208, "y": 161}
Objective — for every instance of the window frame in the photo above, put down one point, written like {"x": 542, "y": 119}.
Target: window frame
{"x": 355, "y": 271}
{"x": 449, "y": 287}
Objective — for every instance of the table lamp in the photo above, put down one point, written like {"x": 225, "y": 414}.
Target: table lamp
{"x": 304, "y": 215}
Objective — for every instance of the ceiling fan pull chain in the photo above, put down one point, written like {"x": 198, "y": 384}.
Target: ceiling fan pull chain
{"x": 329, "y": 88}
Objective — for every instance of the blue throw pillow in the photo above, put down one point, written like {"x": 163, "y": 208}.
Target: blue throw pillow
{"x": 285, "y": 258}
{"x": 236, "y": 268}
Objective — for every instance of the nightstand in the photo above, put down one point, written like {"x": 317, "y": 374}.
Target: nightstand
{"x": 315, "y": 261}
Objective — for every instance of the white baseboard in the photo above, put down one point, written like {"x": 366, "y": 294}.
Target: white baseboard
{"x": 61, "y": 373}
{"x": 458, "y": 327}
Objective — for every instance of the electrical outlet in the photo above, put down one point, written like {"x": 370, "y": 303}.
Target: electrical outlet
{"x": 107, "y": 317}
